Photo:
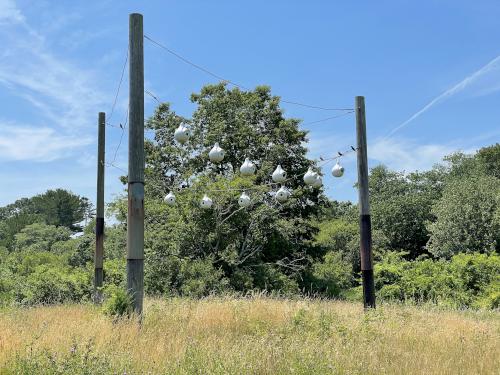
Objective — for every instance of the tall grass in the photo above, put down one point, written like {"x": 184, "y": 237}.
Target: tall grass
{"x": 250, "y": 336}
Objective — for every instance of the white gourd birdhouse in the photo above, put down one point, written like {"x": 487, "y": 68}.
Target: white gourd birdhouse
{"x": 216, "y": 154}
{"x": 206, "y": 202}
{"x": 181, "y": 134}
{"x": 282, "y": 194}
{"x": 318, "y": 183}
{"x": 279, "y": 175}
{"x": 337, "y": 170}
{"x": 244, "y": 200}
{"x": 169, "y": 199}
{"x": 247, "y": 168}
{"x": 310, "y": 177}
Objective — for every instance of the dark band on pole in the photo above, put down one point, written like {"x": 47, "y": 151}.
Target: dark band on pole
{"x": 365, "y": 227}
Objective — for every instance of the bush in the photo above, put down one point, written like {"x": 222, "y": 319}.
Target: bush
{"x": 117, "y": 303}
{"x": 467, "y": 217}
{"x": 199, "y": 278}
{"x": 49, "y": 285}
{"x": 467, "y": 280}
{"x": 40, "y": 237}
{"x": 332, "y": 276}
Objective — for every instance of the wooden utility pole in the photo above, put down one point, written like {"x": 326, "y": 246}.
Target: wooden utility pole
{"x": 135, "y": 219}
{"x": 99, "y": 224}
{"x": 365, "y": 225}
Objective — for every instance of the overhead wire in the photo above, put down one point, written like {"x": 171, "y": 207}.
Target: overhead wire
{"x": 119, "y": 86}
{"x": 346, "y": 111}
{"x": 205, "y": 70}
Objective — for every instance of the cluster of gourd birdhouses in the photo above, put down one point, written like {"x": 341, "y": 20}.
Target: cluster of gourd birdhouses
{"x": 248, "y": 168}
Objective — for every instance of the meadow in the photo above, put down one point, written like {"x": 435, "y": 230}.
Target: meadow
{"x": 258, "y": 335}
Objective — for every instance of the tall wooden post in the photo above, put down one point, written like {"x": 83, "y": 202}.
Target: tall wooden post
{"x": 99, "y": 225}
{"x": 365, "y": 226}
{"x": 135, "y": 222}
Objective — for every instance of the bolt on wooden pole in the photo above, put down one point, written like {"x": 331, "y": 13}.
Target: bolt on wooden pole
{"x": 99, "y": 225}
{"x": 365, "y": 226}
{"x": 135, "y": 218}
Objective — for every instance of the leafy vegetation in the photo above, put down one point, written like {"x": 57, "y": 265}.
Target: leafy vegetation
{"x": 436, "y": 233}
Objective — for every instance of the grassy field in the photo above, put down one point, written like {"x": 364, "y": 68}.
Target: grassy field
{"x": 250, "y": 336}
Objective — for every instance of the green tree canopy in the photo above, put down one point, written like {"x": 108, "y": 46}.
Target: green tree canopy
{"x": 467, "y": 217}
{"x": 57, "y": 207}
{"x": 401, "y": 206}
{"x": 261, "y": 246}
{"x": 40, "y": 237}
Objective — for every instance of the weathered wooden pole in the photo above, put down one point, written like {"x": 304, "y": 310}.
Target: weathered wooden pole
{"x": 365, "y": 226}
{"x": 135, "y": 219}
{"x": 99, "y": 225}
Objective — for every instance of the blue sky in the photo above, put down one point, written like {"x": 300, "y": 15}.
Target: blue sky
{"x": 435, "y": 63}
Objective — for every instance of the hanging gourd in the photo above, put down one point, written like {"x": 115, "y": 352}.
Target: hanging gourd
{"x": 181, "y": 134}
{"x": 318, "y": 183}
{"x": 282, "y": 194}
{"x": 169, "y": 199}
{"x": 206, "y": 202}
{"x": 247, "y": 168}
{"x": 310, "y": 177}
{"x": 337, "y": 170}
{"x": 216, "y": 154}
{"x": 279, "y": 175}
{"x": 244, "y": 200}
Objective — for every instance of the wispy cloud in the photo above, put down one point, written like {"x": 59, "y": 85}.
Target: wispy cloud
{"x": 406, "y": 155}
{"x": 21, "y": 142}
{"x": 9, "y": 13}
{"x": 466, "y": 82}
{"x": 64, "y": 95}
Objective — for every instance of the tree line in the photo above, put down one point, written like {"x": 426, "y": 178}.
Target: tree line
{"x": 436, "y": 233}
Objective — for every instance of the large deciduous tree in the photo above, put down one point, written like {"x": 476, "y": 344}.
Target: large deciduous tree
{"x": 467, "y": 217}
{"x": 264, "y": 246}
{"x": 401, "y": 206}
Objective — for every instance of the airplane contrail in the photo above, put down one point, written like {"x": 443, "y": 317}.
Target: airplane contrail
{"x": 451, "y": 91}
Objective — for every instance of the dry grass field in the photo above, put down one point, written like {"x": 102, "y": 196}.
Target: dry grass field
{"x": 250, "y": 336}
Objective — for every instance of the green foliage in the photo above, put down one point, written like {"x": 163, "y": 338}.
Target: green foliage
{"x": 117, "y": 303}
{"x": 13, "y": 224}
{"x": 264, "y": 246}
{"x": 199, "y": 278}
{"x": 332, "y": 276}
{"x": 339, "y": 235}
{"x": 467, "y": 217}
{"x": 40, "y": 237}
{"x": 62, "y": 208}
{"x": 55, "y": 207}
{"x": 47, "y": 285}
{"x": 401, "y": 206}
{"x": 489, "y": 160}
{"x": 467, "y": 280}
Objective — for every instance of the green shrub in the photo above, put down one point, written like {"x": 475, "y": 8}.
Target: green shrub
{"x": 467, "y": 280}
{"x": 332, "y": 276}
{"x": 199, "y": 278}
{"x": 49, "y": 285}
{"x": 117, "y": 302}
